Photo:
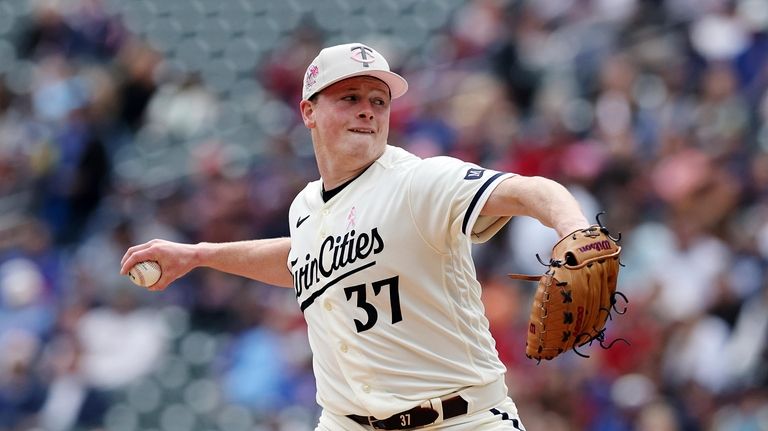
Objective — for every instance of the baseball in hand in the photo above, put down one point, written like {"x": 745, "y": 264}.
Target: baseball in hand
{"x": 145, "y": 273}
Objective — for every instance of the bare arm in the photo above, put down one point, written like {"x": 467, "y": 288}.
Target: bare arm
{"x": 263, "y": 259}
{"x": 543, "y": 199}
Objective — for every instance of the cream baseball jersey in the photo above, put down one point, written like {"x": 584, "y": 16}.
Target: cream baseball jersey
{"x": 384, "y": 276}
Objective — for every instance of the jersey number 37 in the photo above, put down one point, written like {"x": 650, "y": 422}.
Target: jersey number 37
{"x": 361, "y": 290}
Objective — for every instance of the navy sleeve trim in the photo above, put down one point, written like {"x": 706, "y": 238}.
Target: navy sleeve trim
{"x": 475, "y": 199}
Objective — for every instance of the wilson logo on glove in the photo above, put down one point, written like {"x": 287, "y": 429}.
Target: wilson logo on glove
{"x": 597, "y": 246}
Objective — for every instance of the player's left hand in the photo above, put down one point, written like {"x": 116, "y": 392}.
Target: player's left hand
{"x": 576, "y": 295}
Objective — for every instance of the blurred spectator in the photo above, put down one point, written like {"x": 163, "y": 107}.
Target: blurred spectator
{"x": 183, "y": 109}
{"x": 747, "y": 347}
{"x": 24, "y": 304}
{"x": 256, "y": 377}
{"x": 683, "y": 294}
{"x": 47, "y": 33}
{"x": 121, "y": 341}
{"x": 139, "y": 65}
{"x": 22, "y": 390}
{"x": 694, "y": 353}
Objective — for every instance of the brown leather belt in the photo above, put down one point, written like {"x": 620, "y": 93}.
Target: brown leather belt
{"x": 415, "y": 417}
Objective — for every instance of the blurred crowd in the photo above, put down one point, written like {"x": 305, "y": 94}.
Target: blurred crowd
{"x": 654, "y": 111}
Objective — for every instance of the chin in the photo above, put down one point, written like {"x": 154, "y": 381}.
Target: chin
{"x": 365, "y": 147}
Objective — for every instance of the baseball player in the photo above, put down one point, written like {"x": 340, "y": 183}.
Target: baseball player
{"x": 380, "y": 260}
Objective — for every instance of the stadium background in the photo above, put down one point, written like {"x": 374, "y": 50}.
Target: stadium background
{"x": 125, "y": 120}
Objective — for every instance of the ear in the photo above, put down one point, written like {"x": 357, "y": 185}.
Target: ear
{"x": 308, "y": 113}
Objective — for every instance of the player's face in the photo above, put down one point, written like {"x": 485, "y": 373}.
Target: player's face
{"x": 351, "y": 119}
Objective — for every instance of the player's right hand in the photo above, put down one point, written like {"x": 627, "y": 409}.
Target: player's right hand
{"x": 175, "y": 259}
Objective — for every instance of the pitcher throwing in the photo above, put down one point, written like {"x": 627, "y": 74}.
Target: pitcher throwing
{"x": 380, "y": 259}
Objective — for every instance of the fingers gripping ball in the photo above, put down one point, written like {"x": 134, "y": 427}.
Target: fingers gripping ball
{"x": 145, "y": 273}
{"x": 576, "y": 295}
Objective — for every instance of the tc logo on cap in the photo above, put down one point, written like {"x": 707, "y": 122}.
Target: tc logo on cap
{"x": 362, "y": 54}
{"x": 339, "y": 62}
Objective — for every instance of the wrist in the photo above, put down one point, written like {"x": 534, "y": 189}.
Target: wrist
{"x": 566, "y": 227}
{"x": 200, "y": 255}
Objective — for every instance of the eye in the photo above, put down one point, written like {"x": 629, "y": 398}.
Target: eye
{"x": 380, "y": 102}
{"x": 349, "y": 98}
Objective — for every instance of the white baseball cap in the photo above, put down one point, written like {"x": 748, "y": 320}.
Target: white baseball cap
{"x": 339, "y": 62}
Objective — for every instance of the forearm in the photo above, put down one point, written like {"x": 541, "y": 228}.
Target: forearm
{"x": 538, "y": 197}
{"x": 262, "y": 259}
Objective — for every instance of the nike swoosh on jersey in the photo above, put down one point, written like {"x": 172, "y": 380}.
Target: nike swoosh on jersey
{"x": 301, "y": 220}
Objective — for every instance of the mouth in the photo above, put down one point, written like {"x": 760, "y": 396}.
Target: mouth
{"x": 362, "y": 130}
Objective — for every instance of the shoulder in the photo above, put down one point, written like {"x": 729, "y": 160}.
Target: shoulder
{"x": 440, "y": 166}
{"x": 443, "y": 161}
{"x": 311, "y": 187}
{"x": 396, "y": 157}
{"x": 303, "y": 198}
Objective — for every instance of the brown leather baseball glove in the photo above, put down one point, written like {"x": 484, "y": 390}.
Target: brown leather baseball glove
{"x": 576, "y": 295}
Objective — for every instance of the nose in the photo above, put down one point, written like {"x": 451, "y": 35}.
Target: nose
{"x": 366, "y": 111}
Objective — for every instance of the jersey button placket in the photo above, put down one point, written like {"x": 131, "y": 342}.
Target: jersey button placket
{"x": 323, "y": 231}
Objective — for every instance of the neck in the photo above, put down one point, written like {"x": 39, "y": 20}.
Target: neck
{"x": 336, "y": 169}
{"x": 333, "y": 178}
